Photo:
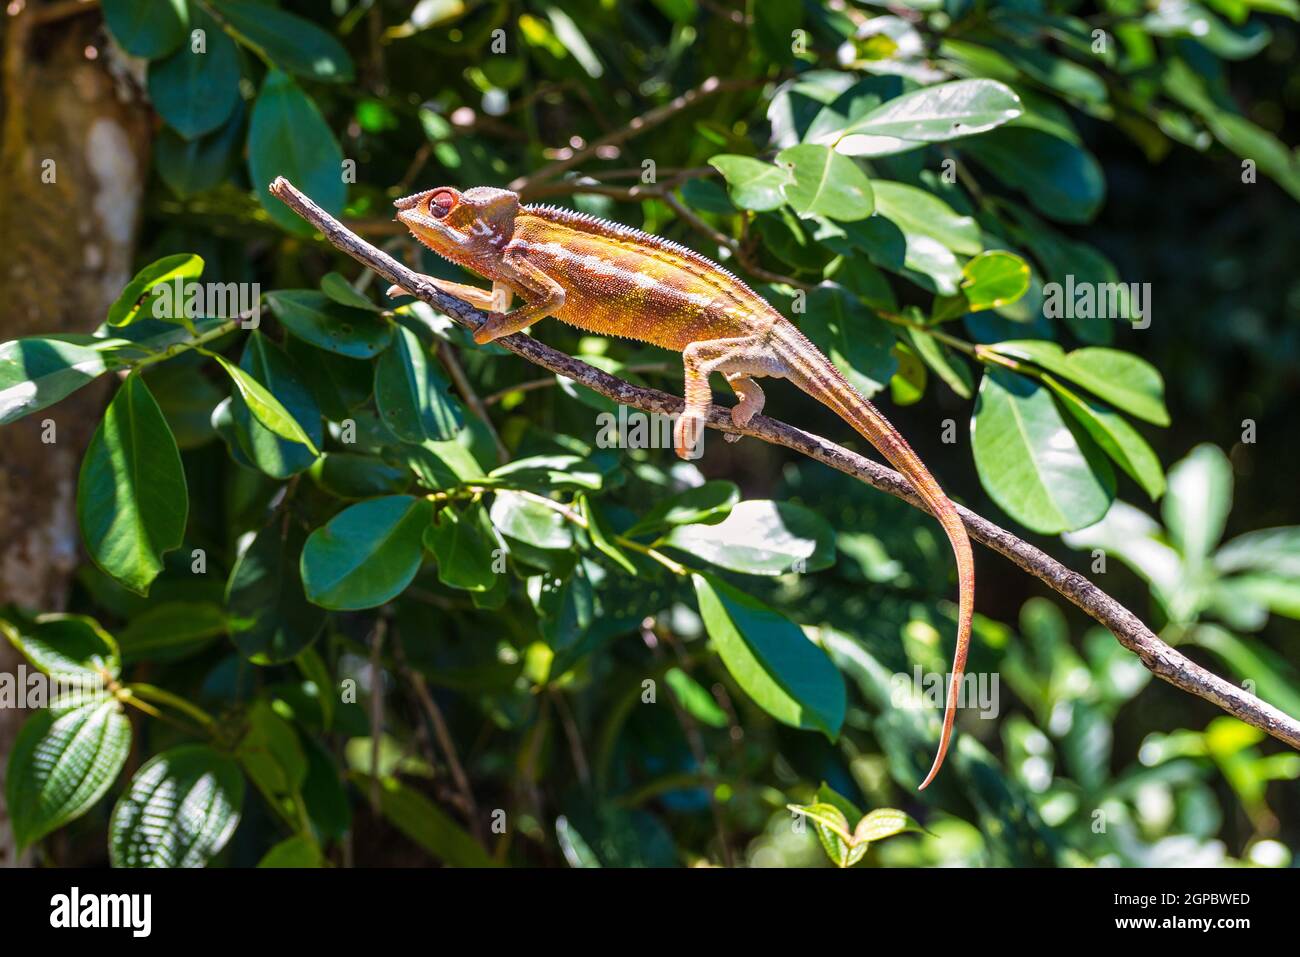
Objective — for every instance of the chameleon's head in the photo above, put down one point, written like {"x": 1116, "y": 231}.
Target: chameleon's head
{"x": 464, "y": 227}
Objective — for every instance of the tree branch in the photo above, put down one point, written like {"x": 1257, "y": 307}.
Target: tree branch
{"x": 1161, "y": 659}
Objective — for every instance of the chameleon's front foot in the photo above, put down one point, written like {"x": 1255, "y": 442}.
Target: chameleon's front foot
{"x": 688, "y": 436}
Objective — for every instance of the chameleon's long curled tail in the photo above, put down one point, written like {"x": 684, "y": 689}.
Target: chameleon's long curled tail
{"x": 823, "y": 382}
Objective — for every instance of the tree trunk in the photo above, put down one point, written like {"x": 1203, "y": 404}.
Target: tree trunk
{"x": 73, "y": 160}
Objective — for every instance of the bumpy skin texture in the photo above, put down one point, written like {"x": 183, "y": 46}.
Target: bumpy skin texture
{"x": 618, "y": 281}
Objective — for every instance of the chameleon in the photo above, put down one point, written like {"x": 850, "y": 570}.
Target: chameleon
{"x": 613, "y": 280}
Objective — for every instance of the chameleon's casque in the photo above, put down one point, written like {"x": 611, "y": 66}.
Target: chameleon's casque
{"x": 618, "y": 281}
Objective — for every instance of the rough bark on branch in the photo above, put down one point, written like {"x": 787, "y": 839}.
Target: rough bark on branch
{"x": 1160, "y": 658}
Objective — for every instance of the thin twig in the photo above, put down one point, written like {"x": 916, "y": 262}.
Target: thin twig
{"x": 448, "y": 746}
{"x": 447, "y": 353}
{"x": 646, "y": 121}
{"x": 1162, "y": 660}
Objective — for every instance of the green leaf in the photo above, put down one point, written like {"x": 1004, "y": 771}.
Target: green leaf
{"x": 752, "y": 184}
{"x": 918, "y": 212}
{"x": 340, "y": 290}
{"x": 527, "y": 520}
{"x": 858, "y": 342}
{"x": 196, "y": 92}
{"x": 994, "y": 278}
{"x": 1274, "y": 550}
{"x": 771, "y": 659}
{"x": 131, "y": 497}
{"x": 1062, "y": 180}
{"x": 1121, "y": 378}
{"x": 932, "y": 114}
{"x": 832, "y": 831}
{"x": 292, "y": 43}
{"x": 463, "y": 543}
{"x": 269, "y": 449}
{"x": 61, "y": 766}
{"x": 270, "y": 617}
{"x": 883, "y": 822}
{"x": 761, "y": 538}
{"x": 705, "y": 504}
{"x": 287, "y": 136}
{"x": 147, "y": 28}
{"x": 694, "y": 699}
{"x": 411, "y": 393}
{"x": 1116, "y": 438}
{"x": 189, "y": 167}
{"x": 1200, "y": 496}
{"x": 316, "y": 319}
{"x": 424, "y": 823}
{"x": 180, "y": 810}
{"x": 171, "y": 630}
{"x": 266, "y": 408}
{"x": 126, "y": 309}
{"x": 947, "y": 367}
{"x": 348, "y": 475}
{"x": 1031, "y": 463}
{"x": 602, "y": 536}
{"x": 271, "y": 755}
{"x": 367, "y": 554}
{"x": 824, "y": 183}
{"x": 294, "y": 852}
{"x": 36, "y": 373}
{"x": 67, "y": 645}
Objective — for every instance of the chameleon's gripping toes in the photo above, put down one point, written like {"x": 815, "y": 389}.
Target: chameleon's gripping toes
{"x": 618, "y": 281}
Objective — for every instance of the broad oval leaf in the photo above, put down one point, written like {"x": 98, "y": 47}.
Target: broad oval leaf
{"x": 751, "y": 183}
{"x": 292, "y": 43}
{"x": 918, "y": 212}
{"x": 367, "y": 554}
{"x": 62, "y": 765}
{"x": 270, "y": 617}
{"x": 266, "y": 408}
{"x": 252, "y": 414}
{"x": 67, "y": 645}
{"x": 761, "y": 538}
{"x": 826, "y": 183}
{"x": 1031, "y": 463}
{"x": 132, "y": 502}
{"x": 197, "y": 91}
{"x": 189, "y": 167}
{"x": 883, "y": 822}
{"x": 529, "y": 521}
{"x": 859, "y": 343}
{"x": 130, "y": 302}
{"x": 464, "y": 545}
{"x": 181, "y": 808}
{"x": 349, "y": 475}
{"x": 1116, "y": 438}
{"x": 771, "y": 658}
{"x": 424, "y": 823}
{"x": 1061, "y": 179}
{"x": 705, "y": 504}
{"x": 411, "y": 393}
{"x": 35, "y": 373}
{"x": 172, "y": 630}
{"x": 316, "y": 319}
{"x": 993, "y": 279}
{"x": 147, "y": 28}
{"x": 932, "y": 114}
{"x": 287, "y": 136}
{"x": 1200, "y": 497}
{"x": 1121, "y": 378}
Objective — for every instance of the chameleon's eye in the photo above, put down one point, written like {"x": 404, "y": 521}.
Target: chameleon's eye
{"x": 440, "y": 204}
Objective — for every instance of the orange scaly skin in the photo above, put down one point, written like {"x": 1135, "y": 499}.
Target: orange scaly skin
{"x": 618, "y": 281}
